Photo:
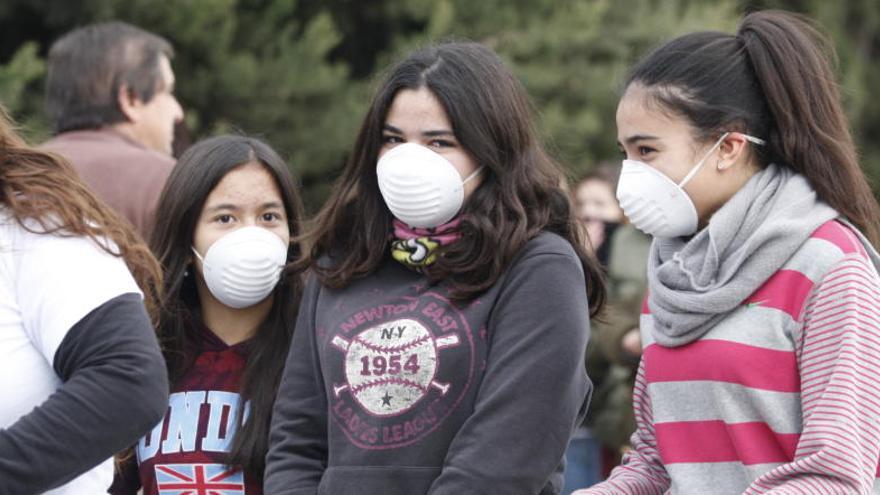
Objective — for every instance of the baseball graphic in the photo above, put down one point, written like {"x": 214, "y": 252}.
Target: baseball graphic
{"x": 391, "y": 367}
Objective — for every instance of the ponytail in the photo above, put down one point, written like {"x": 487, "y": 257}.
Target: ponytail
{"x": 810, "y": 134}
{"x": 773, "y": 80}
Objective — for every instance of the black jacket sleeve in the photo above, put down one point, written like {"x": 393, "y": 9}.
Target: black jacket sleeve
{"x": 115, "y": 388}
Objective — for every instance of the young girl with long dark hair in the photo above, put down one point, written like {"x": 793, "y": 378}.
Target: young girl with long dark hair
{"x": 223, "y": 235}
{"x": 439, "y": 347}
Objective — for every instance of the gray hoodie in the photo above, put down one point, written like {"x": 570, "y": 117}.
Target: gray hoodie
{"x": 392, "y": 389}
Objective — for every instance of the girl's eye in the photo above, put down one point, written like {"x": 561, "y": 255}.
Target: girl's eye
{"x": 442, "y": 143}
{"x": 391, "y": 139}
{"x": 271, "y": 217}
{"x": 225, "y": 218}
{"x": 645, "y": 150}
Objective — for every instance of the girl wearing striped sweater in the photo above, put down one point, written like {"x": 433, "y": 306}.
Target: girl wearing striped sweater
{"x": 761, "y": 370}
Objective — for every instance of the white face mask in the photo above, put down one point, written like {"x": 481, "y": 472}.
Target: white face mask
{"x": 421, "y": 188}
{"x": 654, "y": 203}
{"x": 242, "y": 267}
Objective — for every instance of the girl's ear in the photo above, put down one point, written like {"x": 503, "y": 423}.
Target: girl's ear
{"x": 731, "y": 151}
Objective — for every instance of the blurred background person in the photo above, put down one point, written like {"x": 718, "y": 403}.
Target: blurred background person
{"x": 615, "y": 346}
{"x": 82, "y": 375}
{"x": 230, "y": 210}
{"x": 597, "y": 208}
{"x": 110, "y": 99}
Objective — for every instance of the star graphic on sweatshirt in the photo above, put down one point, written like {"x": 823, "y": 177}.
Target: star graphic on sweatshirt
{"x": 386, "y": 400}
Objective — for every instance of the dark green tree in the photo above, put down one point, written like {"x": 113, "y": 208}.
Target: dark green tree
{"x": 299, "y": 73}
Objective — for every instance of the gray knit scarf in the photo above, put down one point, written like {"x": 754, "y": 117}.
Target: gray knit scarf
{"x": 696, "y": 282}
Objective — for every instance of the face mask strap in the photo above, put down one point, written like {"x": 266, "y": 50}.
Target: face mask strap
{"x": 693, "y": 172}
{"x": 474, "y": 174}
{"x": 753, "y": 139}
{"x": 699, "y": 165}
{"x": 696, "y": 168}
{"x": 199, "y": 256}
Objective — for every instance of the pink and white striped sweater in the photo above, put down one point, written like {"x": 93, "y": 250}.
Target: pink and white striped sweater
{"x": 782, "y": 396}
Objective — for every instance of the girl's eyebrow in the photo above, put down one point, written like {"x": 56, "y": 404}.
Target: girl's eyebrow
{"x": 438, "y": 133}
{"x": 222, "y": 206}
{"x": 638, "y": 137}
{"x": 431, "y": 133}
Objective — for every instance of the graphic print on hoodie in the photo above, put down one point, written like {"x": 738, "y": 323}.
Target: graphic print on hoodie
{"x": 187, "y": 451}
{"x": 398, "y": 370}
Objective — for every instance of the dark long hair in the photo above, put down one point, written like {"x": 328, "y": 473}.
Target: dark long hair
{"x": 520, "y": 195}
{"x": 197, "y": 173}
{"x": 773, "y": 80}
{"x": 42, "y": 187}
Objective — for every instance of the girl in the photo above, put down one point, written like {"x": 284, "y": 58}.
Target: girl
{"x": 760, "y": 372}
{"x": 226, "y": 219}
{"x": 440, "y": 343}
{"x": 74, "y": 333}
